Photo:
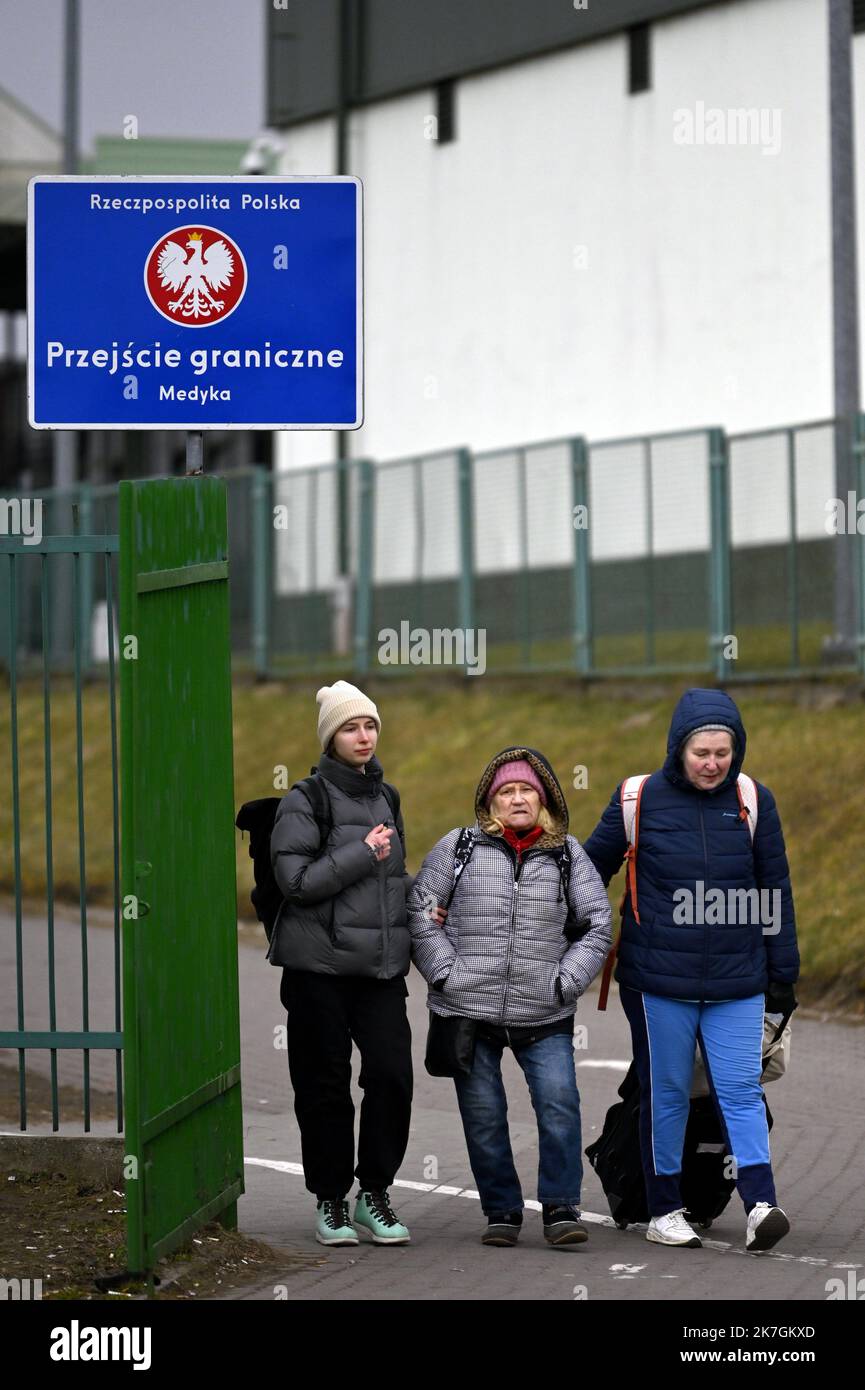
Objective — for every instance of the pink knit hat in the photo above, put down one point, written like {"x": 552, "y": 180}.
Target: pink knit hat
{"x": 516, "y": 771}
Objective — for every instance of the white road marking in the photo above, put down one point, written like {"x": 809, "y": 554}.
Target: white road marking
{"x": 610, "y": 1064}
{"x": 591, "y": 1217}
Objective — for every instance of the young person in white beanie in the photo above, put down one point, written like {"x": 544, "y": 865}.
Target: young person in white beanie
{"x": 343, "y": 942}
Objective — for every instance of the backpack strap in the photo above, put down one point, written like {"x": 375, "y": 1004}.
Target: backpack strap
{"x": 315, "y": 790}
{"x": 391, "y": 796}
{"x": 565, "y": 865}
{"x": 573, "y": 928}
{"x": 746, "y": 790}
{"x": 631, "y": 795}
{"x": 608, "y": 974}
{"x": 463, "y": 850}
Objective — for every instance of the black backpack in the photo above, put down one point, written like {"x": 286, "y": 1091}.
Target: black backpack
{"x": 257, "y": 817}
{"x": 616, "y": 1158}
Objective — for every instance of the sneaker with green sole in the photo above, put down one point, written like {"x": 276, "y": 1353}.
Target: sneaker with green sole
{"x": 333, "y": 1224}
{"x": 374, "y": 1213}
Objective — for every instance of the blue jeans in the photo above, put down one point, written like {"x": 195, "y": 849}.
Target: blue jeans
{"x": 548, "y": 1066}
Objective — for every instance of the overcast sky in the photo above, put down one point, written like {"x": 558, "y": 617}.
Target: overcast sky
{"x": 183, "y": 67}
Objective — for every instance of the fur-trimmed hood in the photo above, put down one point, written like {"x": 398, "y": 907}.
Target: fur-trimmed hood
{"x": 556, "y": 804}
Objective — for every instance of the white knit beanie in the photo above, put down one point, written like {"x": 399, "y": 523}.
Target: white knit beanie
{"x": 338, "y": 703}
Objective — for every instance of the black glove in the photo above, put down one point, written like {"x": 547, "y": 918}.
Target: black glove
{"x": 780, "y": 998}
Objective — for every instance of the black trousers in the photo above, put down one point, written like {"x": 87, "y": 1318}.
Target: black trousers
{"x": 326, "y": 1013}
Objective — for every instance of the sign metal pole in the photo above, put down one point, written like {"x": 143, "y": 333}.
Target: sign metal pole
{"x": 194, "y": 452}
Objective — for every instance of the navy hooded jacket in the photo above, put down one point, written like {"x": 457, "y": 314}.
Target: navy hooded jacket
{"x": 695, "y": 840}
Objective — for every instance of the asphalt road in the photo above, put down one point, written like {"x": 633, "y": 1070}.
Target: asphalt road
{"x": 819, "y": 1113}
{"x": 817, "y": 1143}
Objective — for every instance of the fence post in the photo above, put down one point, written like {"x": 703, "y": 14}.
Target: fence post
{"x": 82, "y": 524}
{"x": 262, "y": 568}
{"x": 792, "y": 553}
{"x": 365, "y": 538}
{"x": 650, "y": 559}
{"x": 859, "y": 475}
{"x": 582, "y": 598}
{"x": 719, "y": 554}
{"x": 467, "y": 543}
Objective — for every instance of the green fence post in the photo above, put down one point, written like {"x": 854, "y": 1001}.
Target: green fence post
{"x": 582, "y": 597}
{"x": 467, "y": 543}
{"x": 262, "y": 568}
{"x": 792, "y": 554}
{"x": 363, "y": 589}
{"x": 719, "y": 554}
{"x": 82, "y": 525}
{"x": 522, "y": 594}
{"x": 343, "y": 502}
{"x": 25, "y": 626}
{"x": 650, "y": 559}
{"x": 859, "y": 474}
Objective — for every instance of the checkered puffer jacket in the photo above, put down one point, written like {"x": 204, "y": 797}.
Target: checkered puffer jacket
{"x": 502, "y": 954}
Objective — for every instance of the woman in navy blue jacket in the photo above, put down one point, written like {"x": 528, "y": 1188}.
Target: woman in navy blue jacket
{"x": 709, "y": 944}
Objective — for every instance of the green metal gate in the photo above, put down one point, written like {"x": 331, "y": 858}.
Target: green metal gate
{"x": 184, "y": 1162}
{"x": 34, "y": 600}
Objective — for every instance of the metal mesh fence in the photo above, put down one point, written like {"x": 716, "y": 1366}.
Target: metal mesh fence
{"x": 524, "y": 554}
{"x": 649, "y": 539}
{"x": 782, "y": 559}
{"x": 305, "y": 625}
{"x": 415, "y": 562}
{"x": 686, "y": 541}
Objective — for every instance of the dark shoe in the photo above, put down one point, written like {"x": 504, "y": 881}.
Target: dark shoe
{"x": 562, "y": 1226}
{"x": 503, "y": 1229}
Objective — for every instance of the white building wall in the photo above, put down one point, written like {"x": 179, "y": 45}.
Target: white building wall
{"x": 564, "y": 266}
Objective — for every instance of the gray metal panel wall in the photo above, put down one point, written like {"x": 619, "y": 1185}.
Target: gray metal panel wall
{"x": 403, "y": 44}
{"x": 302, "y": 60}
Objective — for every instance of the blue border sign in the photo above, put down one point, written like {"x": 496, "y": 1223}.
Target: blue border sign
{"x": 195, "y": 303}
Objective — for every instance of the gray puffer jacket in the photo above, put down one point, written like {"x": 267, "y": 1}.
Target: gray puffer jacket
{"x": 344, "y": 913}
{"x": 502, "y": 953}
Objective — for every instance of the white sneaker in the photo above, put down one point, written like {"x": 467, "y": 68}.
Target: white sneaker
{"x": 766, "y": 1226}
{"x": 673, "y": 1229}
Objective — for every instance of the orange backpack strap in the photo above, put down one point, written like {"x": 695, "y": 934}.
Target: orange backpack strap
{"x": 608, "y": 974}
{"x": 631, "y": 794}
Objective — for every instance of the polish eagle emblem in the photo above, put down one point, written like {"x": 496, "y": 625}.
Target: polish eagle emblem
{"x": 196, "y": 281}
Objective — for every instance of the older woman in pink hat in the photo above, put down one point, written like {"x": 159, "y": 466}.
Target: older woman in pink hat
{"x": 527, "y": 930}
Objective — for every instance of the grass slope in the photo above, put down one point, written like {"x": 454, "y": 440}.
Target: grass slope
{"x": 808, "y": 747}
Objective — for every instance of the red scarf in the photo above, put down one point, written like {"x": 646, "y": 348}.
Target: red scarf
{"x": 522, "y": 842}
